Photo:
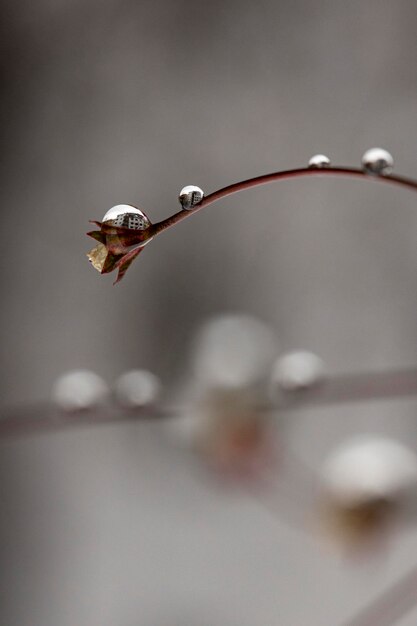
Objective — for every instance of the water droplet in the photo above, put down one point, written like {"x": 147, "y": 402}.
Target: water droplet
{"x": 79, "y": 390}
{"x": 377, "y": 161}
{"x": 297, "y": 370}
{"x": 190, "y": 196}
{"x": 127, "y": 216}
{"x": 319, "y": 161}
{"x": 137, "y": 388}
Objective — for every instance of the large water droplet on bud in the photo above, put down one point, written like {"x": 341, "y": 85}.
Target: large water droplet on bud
{"x": 127, "y": 216}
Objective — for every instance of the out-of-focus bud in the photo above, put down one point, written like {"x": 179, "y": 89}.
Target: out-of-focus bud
{"x": 79, "y": 390}
{"x": 231, "y": 432}
{"x": 364, "y": 480}
{"x": 296, "y": 371}
{"x": 137, "y": 388}
{"x": 232, "y": 358}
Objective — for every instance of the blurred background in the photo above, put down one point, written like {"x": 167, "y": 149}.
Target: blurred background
{"x": 123, "y": 101}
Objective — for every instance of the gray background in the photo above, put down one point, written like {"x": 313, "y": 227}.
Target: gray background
{"x": 125, "y": 102}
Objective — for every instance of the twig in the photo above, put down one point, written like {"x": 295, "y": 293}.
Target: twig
{"x": 159, "y": 227}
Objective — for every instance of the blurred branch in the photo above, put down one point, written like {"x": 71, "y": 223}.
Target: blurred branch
{"x": 391, "y": 605}
{"x": 45, "y": 417}
{"x": 360, "y": 387}
{"x": 341, "y": 389}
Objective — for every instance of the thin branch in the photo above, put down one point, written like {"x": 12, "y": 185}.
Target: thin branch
{"x": 266, "y": 179}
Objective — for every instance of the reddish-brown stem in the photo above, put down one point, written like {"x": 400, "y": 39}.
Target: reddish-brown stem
{"x": 274, "y": 177}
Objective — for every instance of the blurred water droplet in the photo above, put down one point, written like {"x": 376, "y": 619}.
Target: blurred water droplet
{"x": 369, "y": 468}
{"x": 137, "y": 388}
{"x": 377, "y": 161}
{"x": 364, "y": 481}
{"x": 297, "y": 370}
{"x": 79, "y": 390}
{"x": 233, "y": 351}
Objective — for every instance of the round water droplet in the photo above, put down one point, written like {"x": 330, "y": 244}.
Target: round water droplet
{"x": 127, "y": 216}
{"x": 377, "y": 161}
{"x": 79, "y": 390}
{"x": 137, "y": 388}
{"x": 190, "y": 196}
{"x": 297, "y": 370}
{"x": 319, "y": 161}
